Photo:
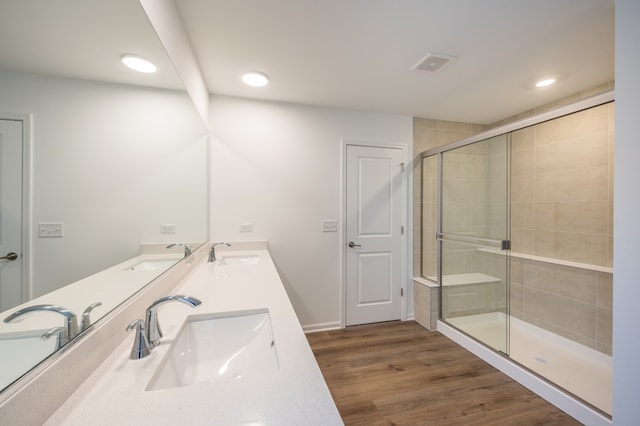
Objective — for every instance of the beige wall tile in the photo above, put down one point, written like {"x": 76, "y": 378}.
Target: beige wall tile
{"x": 589, "y": 121}
{"x": 522, "y": 189}
{"x": 443, "y": 137}
{"x": 605, "y": 326}
{"x": 586, "y": 151}
{"x": 571, "y": 185}
{"x": 522, "y": 162}
{"x": 570, "y": 314}
{"x": 572, "y": 283}
{"x": 422, "y": 122}
{"x": 573, "y": 216}
{"x": 523, "y": 215}
{"x": 583, "y": 248}
{"x": 523, "y": 241}
{"x": 604, "y": 293}
{"x": 523, "y": 139}
{"x": 517, "y": 270}
{"x": 458, "y": 126}
{"x": 420, "y": 296}
{"x": 557, "y": 329}
{"x": 516, "y": 300}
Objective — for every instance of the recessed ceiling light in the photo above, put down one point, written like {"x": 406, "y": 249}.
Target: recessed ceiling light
{"x": 546, "y": 82}
{"x": 255, "y": 79}
{"x": 139, "y": 64}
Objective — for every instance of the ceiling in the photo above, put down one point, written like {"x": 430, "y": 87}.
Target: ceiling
{"x": 359, "y": 53}
{"x": 354, "y": 54}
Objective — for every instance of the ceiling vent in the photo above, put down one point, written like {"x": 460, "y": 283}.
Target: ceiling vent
{"x": 433, "y": 62}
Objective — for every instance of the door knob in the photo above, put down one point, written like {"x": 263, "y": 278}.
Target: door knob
{"x": 352, "y": 244}
{"x": 10, "y": 256}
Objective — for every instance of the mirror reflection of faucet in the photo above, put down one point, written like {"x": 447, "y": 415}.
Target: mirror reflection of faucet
{"x": 187, "y": 249}
{"x": 70, "y": 329}
{"x": 55, "y": 331}
{"x": 86, "y": 318}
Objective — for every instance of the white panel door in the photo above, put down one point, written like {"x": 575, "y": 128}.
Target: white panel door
{"x": 10, "y": 214}
{"x": 374, "y": 182}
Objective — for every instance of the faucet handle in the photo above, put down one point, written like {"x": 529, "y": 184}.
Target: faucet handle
{"x": 55, "y": 331}
{"x": 86, "y": 316}
{"x": 187, "y": 249}
{"x": 141, "y": 346}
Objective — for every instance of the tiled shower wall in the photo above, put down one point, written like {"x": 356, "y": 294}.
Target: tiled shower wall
{"x": 562, "y": 208}
{"x": 429, "y": 134}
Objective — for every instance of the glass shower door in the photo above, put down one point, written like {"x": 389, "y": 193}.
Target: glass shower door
{"x": 474, "y": 240}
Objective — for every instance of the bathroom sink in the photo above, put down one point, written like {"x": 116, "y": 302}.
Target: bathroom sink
{"x": 152, "y": 265}
{"x": 218, "y": 347}
{"x": 21, "y": 351}
{"x": 251, "y": 259}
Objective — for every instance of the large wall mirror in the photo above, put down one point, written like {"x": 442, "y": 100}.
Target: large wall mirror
{"x": 101, "y": 169}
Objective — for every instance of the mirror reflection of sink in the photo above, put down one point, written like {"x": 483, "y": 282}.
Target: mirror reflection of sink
{"x": 21, "y": 351}
{"x": 218, "y": 347}
{"x": 152, "y": 265}
{"x": 250, "y": 259}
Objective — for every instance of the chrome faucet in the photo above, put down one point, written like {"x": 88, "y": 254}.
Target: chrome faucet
{"x": 70, "y": 326}
{"x": 212, "y": 252}
{"x": 187, "y": 249}
{"x": 152, "y": 326}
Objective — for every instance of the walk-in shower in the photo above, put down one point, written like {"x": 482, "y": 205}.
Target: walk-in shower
{"x": 517, "y": 231}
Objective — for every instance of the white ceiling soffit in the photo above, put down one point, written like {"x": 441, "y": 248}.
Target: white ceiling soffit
{"x": 359, "y": 54}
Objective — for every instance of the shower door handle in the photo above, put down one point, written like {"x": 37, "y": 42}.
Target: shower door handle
{"x": 352, "y": 244}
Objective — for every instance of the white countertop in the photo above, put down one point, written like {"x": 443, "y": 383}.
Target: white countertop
{"x": 296, "y": 394}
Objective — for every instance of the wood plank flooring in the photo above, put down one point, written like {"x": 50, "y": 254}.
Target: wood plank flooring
{"x": 399, "y": 373}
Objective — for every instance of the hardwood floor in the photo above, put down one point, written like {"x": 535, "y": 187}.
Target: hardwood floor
{"x": 399, "y": 373}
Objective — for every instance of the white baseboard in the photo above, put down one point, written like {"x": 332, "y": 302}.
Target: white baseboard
{"x": 311, "y": 328}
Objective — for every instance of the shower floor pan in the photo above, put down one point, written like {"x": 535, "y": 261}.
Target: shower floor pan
{"x": 583, "y": 371}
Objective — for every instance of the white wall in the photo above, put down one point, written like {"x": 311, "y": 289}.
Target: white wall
{"x": 113, "y": 162}
{"x": 626, "y": 277}
{"x": 278, "y": 166}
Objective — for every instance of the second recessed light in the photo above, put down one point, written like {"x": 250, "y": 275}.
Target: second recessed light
{"x": 138, "y": 64}
{"x": 255, "y": 79}
{"x": 546, "y": 82}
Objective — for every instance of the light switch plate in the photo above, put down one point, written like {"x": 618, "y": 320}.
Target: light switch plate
{"x": 167, "y": 228}
{"x": 50, "y": 229}
{"x": 246, "y": 227}
{"x": 329, "y": 226}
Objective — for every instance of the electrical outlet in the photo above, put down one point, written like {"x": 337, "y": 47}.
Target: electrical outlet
{"x": 329, "y": 226}
{"x": 246, "y": 227}
{"x": 167, "y": 228}
{"x": 50, "y": 229}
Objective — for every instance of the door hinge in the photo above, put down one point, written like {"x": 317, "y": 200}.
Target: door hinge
{"x": 402, "y": 230}
{"x": 402, "y": 292}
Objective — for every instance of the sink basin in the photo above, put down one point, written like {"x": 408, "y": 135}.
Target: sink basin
{"x": 218, "y": 347}
{"x": 251, "y": 259}
{"x": 152, "y": 265}
{"x": 21, "y": 351}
